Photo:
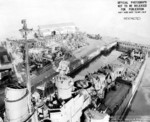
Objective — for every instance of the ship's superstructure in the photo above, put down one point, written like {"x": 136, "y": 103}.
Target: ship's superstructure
{"x": 66, "y": 104}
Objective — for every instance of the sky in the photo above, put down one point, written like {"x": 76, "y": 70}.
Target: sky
{"x": 92, "y": 16}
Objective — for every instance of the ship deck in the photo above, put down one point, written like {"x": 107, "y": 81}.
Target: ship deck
{"x": 114, "y": 98}
{"x": 132, "y": 70}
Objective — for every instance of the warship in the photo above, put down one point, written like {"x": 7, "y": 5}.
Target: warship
{"x": 104, "y": 95}
{"x": 101, "y": 96}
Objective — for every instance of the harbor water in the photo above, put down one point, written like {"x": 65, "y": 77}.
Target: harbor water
{"x": 140, "y": 108}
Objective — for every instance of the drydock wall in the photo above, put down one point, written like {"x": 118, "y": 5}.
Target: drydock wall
{"x": 125, "y": 46}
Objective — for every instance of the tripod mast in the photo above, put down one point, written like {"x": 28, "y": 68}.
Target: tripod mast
{"x": 25, "y": 31}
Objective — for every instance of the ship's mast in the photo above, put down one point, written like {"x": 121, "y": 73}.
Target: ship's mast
{"x": 24, "y": 31}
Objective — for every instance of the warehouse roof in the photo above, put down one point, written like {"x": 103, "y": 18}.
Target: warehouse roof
{"x": 56, "y": 25}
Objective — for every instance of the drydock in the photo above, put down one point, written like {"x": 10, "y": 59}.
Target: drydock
{"x": 62, "y": 95}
